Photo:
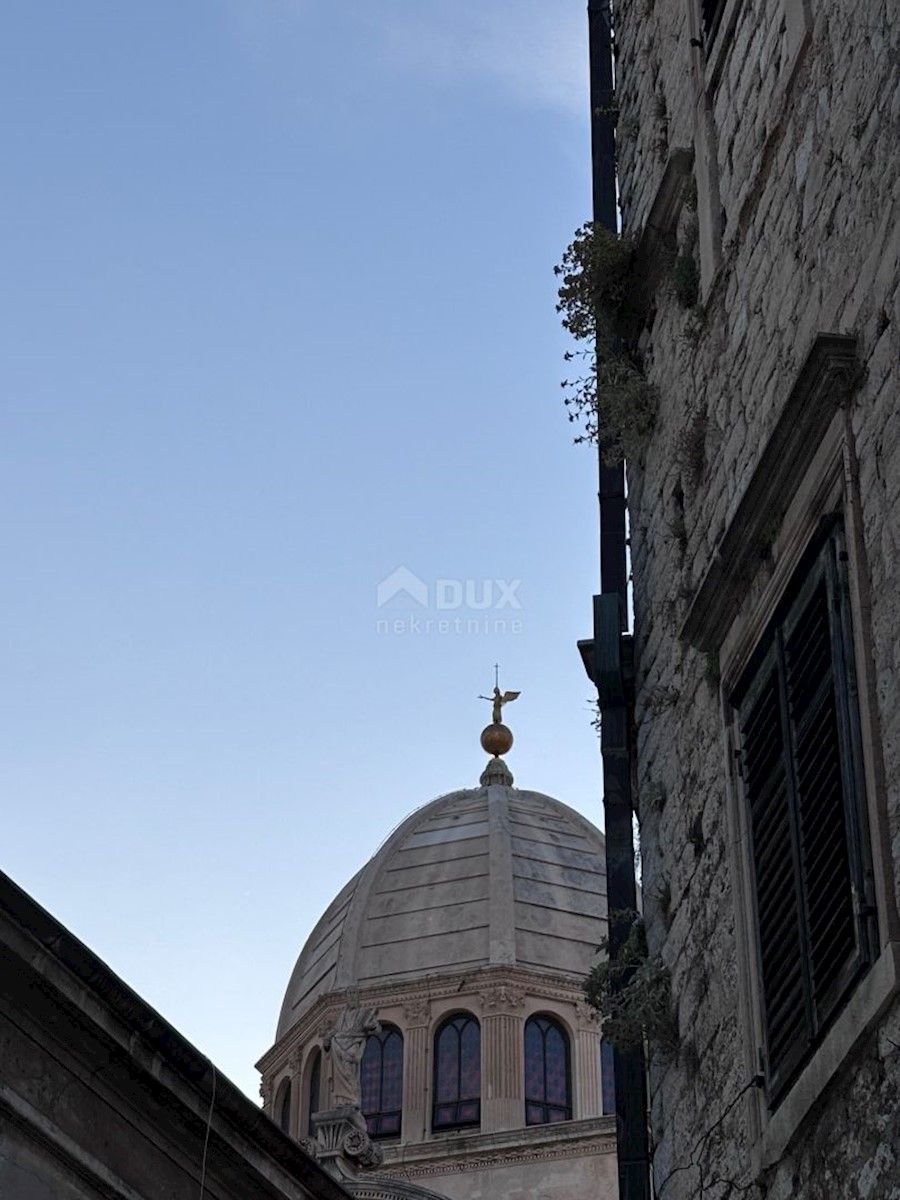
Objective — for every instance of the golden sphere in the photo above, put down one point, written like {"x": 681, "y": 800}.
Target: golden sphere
{"x": 496, "y": 739}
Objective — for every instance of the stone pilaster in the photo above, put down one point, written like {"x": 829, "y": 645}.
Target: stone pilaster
{"x": 503, "y": 1062}
{"x": 502, "y": 906}
{"x": 416, "y": 1072}
{"x": 586, "y": 1064}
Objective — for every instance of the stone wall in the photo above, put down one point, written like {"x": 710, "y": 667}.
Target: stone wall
{"x": 792, "y": 209}
{"x": 567, "y": 1161}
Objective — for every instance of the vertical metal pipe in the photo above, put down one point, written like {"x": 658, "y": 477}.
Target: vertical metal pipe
{"x": 611, "y": 645}
{"x": 613, "y": 565}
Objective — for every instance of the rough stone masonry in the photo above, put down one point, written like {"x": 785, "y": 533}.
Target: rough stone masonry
{"x": 766, "y": 150}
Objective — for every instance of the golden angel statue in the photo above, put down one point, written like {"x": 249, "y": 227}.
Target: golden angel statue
{"x": 498, "y": 700}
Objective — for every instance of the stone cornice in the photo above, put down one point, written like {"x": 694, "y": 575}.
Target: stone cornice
{"x": 412, "y": 994}
{"x": 385, "y": 1188}
{"x": 825, "y": 381}
{"x": 444, "y": 1155}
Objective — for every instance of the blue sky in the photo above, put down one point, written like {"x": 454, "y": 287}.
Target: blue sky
{"x": 278, "y": 318}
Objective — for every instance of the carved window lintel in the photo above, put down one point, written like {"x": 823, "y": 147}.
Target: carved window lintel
{"x": 826, "y": 381}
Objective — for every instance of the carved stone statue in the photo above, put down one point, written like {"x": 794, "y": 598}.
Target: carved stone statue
{"x": 346, "y": 1044}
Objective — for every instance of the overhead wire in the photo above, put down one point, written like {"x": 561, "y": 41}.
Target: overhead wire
{"x": 212, "y": 1103}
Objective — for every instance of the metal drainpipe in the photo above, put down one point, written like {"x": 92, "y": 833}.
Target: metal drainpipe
{"x": 608, "y": 656}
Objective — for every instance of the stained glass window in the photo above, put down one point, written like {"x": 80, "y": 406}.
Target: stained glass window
{"x": 381, "y": 1079}
{"x": 457, "y": 1073}
{"x": 607, "y": 1077}
{"x": 315, "y": 1079}
{"x": 548, "y": 1092}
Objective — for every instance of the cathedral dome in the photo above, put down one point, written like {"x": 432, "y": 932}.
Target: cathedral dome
{"x": 490, "y": 876}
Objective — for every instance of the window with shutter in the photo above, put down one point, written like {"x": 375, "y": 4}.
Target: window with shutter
{"x": 802, "y": 781}
{"x": 712, "y": 16}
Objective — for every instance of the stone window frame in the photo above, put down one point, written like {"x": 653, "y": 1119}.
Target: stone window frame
{"x": 457, "y": 1126}
{"x": 282, "y": 1110}
{"x": 579, "y": 1022}
{"x": 375, "y": 1118}
{"x": 807, "y": 470}
{"x": 555, "y": 1023}
{"x": 797, "y": 16}
{"x": 314, "y": 1058}
{"x": 523, "y": 1001}
{"x": 796, "y": 948}
{"x": 706, "y": 73}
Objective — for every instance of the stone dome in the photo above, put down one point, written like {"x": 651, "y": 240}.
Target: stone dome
{"x": 487, "y": 876}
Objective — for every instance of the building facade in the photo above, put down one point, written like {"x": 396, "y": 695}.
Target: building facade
{"x": 758, "y": 159}
{"x": 466, "y": 939}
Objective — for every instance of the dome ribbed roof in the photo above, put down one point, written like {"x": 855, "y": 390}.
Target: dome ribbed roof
{"x": 486, "y": 876}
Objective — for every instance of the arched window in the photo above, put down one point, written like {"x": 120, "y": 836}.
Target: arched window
{"x": 607, "y": 1077}
{"x": 548, "y": 1088}
{"x": 381, "y": 1079}
{"x": 283, "y": 1106}
{"x": 457, "y": 1073}
{"x": 312, "y": 1090}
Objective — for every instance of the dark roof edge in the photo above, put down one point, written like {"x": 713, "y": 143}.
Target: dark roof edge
{"x": 181, "y": 1055}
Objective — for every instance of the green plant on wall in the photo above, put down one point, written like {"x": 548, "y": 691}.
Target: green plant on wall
{"x": 685, "y": 269}
{"x": 612, "y": 400}
{"x": 631, "y": 991}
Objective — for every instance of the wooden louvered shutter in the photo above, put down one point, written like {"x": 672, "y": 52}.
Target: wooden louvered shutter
{"x": 776, "y": 871}
{"x": 802, "y": 782}
{"x": 816, "y": 665}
